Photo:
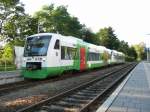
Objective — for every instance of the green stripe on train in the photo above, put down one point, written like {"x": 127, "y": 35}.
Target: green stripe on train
{"x": 45, "y": 72}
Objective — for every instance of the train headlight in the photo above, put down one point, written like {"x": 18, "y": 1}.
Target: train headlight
{"x": 24, "y": 59}
{"x": 44, "y": 59}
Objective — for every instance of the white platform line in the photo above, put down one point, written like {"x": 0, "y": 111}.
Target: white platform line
{"x": 146, "y": 65}
{"x": 104, "y": 107}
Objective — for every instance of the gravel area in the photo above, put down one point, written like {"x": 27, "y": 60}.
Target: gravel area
{"x": 24, "y": 97}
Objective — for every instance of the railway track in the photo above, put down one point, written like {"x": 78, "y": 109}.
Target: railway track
{"x": 7, "y": 88}
{"x": 80, "y": 99}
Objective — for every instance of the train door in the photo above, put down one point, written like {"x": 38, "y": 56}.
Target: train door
{"x": 82, "y": 59}
{"x": 56, "y": 55}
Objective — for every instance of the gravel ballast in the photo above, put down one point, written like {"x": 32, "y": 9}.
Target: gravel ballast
{"x": 25, "y": 97}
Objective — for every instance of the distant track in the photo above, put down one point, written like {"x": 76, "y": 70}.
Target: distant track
{"x": 7, "y": 88}
{"x": 80, "y": 99}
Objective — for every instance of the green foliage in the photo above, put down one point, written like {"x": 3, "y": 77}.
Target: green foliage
{"x": 9, "y": 9}
{"x": 1, "y": 52}
{"x": 139, "y": 48}
{"x": 58, "y": 20}
{"x": 126, "y": 49}
{"x": 17, "y": 42}
{"x": 108, "y": 38}
{"x": 7, "y": 68}
{"x": 20, "y": 27}
{"x": 16, "y": 25}
{"x": 129, "y": 58}
{"x": 132, "y": 53}
{"x": 89, "y": 36}
{"x": 7, "y": 55}
{"x": 123, "y": 47}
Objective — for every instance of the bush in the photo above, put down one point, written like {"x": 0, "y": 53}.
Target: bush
{"x": 129, "y": 58}
{"x": 7, "y": 61}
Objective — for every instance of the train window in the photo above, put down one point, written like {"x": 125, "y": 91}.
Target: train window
{"x": 62, "y": 52}
{"x": 68, "y": 53}
{"x": 93, "y": 56}
{"x": 72, "y": 52}
{"x": 57, "y": 44}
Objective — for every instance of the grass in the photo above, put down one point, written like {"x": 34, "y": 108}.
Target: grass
{"x": 8, "y": 67}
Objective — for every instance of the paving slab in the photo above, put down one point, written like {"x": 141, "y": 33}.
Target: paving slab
{"x": 133, "y": 94}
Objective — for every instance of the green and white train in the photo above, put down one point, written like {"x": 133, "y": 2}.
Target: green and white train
{"x": 49, "y": 54}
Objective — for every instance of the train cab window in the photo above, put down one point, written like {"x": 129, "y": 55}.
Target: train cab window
{"x": 57, "y": 44}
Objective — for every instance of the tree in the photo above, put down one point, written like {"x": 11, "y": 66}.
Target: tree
{"x": 7, "y": 55}
{"x": 139, "y": 48}
{"x": 132, "y": 52}
{"x": 123, "y": 47}
{"x": 89, "y": 36}
{"x": 108, "y": 38}
{"x": 20, "y": 27}
{"x": 58, "y": 20}
{"x": 9, "y": 9}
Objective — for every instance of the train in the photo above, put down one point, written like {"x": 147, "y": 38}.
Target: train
{"x": 49, "y": 54}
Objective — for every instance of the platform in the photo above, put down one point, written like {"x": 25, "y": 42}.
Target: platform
{"x": 14, "y": 73}
{"x": 10, "y": 77}
{"x": 133, "y": 94}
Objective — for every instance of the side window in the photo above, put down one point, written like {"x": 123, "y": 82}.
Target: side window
{"x": 57, "y": 44}
{"x": 68, "y": 53}
{"x": 62, "y": 52}
{"x": 93, "y": 56}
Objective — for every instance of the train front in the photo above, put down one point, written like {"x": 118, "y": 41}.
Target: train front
{"x": 35, "y": 56}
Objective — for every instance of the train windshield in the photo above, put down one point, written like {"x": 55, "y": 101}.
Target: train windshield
{"x": 37, "y": 46}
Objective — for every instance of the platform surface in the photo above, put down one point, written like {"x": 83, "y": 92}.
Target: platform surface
{"x": 135, "y": 93}
{"x": 5, "y": 74}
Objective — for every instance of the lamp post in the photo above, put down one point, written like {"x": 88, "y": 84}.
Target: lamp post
{"x": 148, "y": 54}
{"x": 148, "y": 51}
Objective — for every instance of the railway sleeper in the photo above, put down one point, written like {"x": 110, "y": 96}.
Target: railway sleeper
{"x": 87, "y": 94}
{"x": 94, "y": 89}
{"x": 68, "y": 104}
{"x": 57, "y": 108}
{"x": 81, "y": 97}
{"x": 91, "y": 91}
{"x": 75, "y": 100}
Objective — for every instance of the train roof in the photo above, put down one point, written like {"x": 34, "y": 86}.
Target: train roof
{"x": 102, "y": 47}
{"x": 42, "y": 34}
{"x": 117, "y": 52}
{"x": 109, "y": 50}
{"x": 71, "y": 38}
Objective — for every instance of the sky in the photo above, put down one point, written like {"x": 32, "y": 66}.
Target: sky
{"x": 129, "y": 18}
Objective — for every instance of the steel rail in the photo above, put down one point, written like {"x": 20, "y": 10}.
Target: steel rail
{"x": 73, "y": 90}
{"x": 6, "y": 88}
{"x": 87, "y": 107}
